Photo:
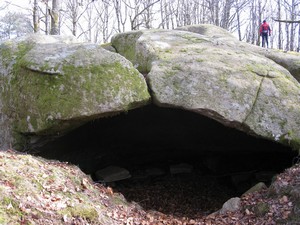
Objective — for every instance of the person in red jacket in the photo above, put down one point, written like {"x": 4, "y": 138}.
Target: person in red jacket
{"x": 265, "y": 31}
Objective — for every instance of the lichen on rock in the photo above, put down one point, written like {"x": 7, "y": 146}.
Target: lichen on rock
{"x": 211, "y": 73}
{"x": 50, "y": 86}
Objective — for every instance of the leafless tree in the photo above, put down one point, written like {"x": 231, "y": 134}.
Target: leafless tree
{"x": 257, "y": 15}
{"x": 164, "y": 15}
{"x": 3, "y": 5}
{"x": 214, "y": 9}
{"x": 291, "y": 20}
{"x": 298, "y": 48}
{"x": 226, "y": 14}
{"x": 139, "y": 12}
{"x": 54, "y": 14}
{"x": 98, "y": 20}
{"x": 105, "y": 16}
{"x": 121, "y": 12}
{"x": 239, "y": 6}
{"x": 41, "y": 16}
{"x": 85, "y": 28}
{"x": 292, "y": 9}
{"x": 14, "y": 24}
{"x": 71, "y": 13}
{"x": 36, "y": 17}
{"x": 148, "y": 17}
{"x": 279, "y": 24}
{"x": 252, "y": 31}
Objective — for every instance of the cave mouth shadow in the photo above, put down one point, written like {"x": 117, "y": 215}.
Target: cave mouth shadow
{"x": 223, "y": 161}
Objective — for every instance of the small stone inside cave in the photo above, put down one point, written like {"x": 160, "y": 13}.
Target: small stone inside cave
{"x": 170, "y": 160}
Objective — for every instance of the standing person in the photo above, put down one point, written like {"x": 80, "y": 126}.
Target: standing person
{"x": 265, "y": 31}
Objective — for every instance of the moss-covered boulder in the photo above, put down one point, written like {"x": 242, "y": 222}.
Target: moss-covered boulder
{"x": 51, "y": 84}
{"x": 289, "y": 60}
{"x": 212, "y": 76}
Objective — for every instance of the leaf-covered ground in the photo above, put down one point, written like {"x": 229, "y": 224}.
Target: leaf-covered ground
{"x": 190, "y": 195}
{"x": 38, "y": 191}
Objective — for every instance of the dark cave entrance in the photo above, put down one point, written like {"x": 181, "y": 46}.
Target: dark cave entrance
{"x": 179, "y": 162}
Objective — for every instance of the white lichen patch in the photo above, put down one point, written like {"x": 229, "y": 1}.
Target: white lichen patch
{"x": 161, "y": 45}
{"x": 30, "y": 127}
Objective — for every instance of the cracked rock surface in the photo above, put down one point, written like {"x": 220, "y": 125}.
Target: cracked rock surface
{"x": 51, "y": 85}
{"x": 218, "y": 77}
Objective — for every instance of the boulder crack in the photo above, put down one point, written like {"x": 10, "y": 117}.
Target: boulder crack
{"x": 264, "y": 75}
{"x": 255, "y": 100}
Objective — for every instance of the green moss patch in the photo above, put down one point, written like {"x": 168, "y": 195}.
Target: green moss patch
{"x": 43, "y": 103}
{"x": 86, "y": 212}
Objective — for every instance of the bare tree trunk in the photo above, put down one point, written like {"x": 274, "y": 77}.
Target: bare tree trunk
{"x": 117, "y": 7}
{"x": 176, "y": 12}
{"x": 292, "y": 30}
{"x": 287, "y": 37}
{"x": 298, "y": 48}
{"x": 260, "y": 12}
{"x": 253, "y": 29}
{"x": 36, "y": 17}
{"x": 213, "y": 6}
{"x": 226, "y": 14}
{"x": 238, "y": 20}
{"x": 163, "y": 14}
{"x": 79, "y": 16}
{"x": 291, "y": 24}
{"x": 47, "y": 18}
{"x": 121, "y": 12}
{"x": 229, "y": 14}
{"x": 54, "y": 13}
{"x": 138, "y": 11}
{"x": 91, "y": 23}
{"x": 71, "y": 14}
{"x": 74, "y": 13}
{"x": 124, "y": 21}
{"x": 279, "y": 25}
{"x": 147, "y": 16}
{"x": 196, "y": 16}
{"x": 135, "y": 24}
{"x": 169, "y": 15}
{"x": 105, "y": 27}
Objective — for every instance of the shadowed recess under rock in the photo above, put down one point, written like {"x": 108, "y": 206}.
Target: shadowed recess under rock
{"x": 158, "y": 145}
{"x": 154, "y": 135}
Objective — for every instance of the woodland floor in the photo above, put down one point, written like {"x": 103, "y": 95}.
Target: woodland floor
{"x": 37, "y": 191}
{"x": 183, "y": 195}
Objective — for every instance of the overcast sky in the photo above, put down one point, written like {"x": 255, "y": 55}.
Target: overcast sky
{"x": 17, "y": 5}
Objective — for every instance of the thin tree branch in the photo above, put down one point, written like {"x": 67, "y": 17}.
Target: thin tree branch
{"x": 286, "y": 21}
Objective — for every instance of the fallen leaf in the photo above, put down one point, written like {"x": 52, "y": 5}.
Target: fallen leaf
{"x": 84, "y": 183}
{"x": 247, "y": 212}
{"x": 10, "y": 206}
{"x": 65, "y": 218}
{"x": 109, "y": 191}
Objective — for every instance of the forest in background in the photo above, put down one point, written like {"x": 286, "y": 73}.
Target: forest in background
{"x": 96, "y": 21}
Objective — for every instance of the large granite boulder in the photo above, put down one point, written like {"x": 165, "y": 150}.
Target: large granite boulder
{"x": 219, "y": 77}
{"x": 289, "y": 60}
{"x": 52, "y": 84}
